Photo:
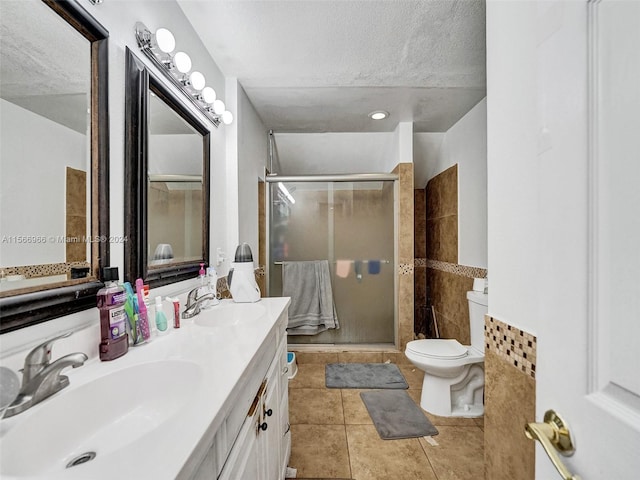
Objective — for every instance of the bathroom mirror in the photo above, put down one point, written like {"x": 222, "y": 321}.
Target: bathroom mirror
{"x": 54, "y": 216}
{"x": 167, "y": 180}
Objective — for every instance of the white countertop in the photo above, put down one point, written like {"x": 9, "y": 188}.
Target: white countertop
{"x": 223, "y": 355}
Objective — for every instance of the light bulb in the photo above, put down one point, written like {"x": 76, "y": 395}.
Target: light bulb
{"x": 218, "y": 107}
{"x": 197, "y": 80}
{"x": 165, "y": 40}
{"x": 208, "y": 94}
{"x": 182, "y": 62}
{"x": 227, "y": 117}
{"x": 379, "y": 115}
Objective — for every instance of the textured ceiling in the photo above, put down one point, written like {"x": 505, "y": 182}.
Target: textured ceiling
{"x": 322, "y": 66}
{"x": 45, "y": 64}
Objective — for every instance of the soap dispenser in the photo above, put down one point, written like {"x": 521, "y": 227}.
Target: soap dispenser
{"x": 211, "y": 288}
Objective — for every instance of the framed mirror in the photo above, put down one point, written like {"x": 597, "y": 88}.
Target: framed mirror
{"x": 54, "y": 202}
{"x": 167, "y": 180}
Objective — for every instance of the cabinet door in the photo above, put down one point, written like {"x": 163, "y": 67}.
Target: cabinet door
{"x": 270, "y": 438}
{"x": 285, "y": 433}
{"x": 244, "y": 461}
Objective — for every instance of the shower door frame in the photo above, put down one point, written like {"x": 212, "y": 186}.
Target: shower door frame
{"x": 353, "y": 177}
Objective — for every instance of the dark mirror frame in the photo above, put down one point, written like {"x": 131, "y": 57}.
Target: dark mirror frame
{"x": 27, "y": 309}
{"x": 139, "y": 83}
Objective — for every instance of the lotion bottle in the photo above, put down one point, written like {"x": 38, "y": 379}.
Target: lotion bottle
{"x": 161, "y": 318}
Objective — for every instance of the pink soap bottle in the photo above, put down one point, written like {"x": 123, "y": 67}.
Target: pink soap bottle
{"x": 110, "y": 299}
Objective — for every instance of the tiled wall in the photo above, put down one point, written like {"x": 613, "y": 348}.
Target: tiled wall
{"x": 76, "y": 215}
{"x": 420, "y": 254}
{"x": 510, "y": 392}
{"x": 405, "y": 300}
{"x": 446, "y": 281}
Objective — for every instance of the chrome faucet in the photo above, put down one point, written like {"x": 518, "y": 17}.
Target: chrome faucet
{"x": 41, "y": 379}
{"x": 194, "y": 302}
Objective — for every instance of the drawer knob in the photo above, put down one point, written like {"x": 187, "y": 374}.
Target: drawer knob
{"x": 263, "y": 426}
{"x": 268, "y": 413}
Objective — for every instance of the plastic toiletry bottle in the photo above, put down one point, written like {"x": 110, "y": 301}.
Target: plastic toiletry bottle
{"x": 161, "y": 318}
{"x": 213, "y": 284}
{"x": 176, "y": 311}
{"x": 143, "y": 316}
{"x": 114, "y": 341}
{"x": 201, "y": 274}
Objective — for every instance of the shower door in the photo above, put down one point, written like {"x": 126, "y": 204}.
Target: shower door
{"x": 350, "y": 224}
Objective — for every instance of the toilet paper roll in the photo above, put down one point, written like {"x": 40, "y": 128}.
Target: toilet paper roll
{"x": 478, "y": 284}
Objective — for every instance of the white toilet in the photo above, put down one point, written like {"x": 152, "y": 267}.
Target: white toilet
{"x": 453, "y": 384}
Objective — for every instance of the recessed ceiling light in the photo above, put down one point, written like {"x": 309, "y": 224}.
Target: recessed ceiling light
{"x": 379, "y": 115}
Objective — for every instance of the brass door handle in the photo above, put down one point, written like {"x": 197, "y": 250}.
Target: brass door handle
{"x": 555, "y": 438}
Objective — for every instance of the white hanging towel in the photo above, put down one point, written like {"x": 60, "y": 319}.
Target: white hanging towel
{"x": 312, "y": 308}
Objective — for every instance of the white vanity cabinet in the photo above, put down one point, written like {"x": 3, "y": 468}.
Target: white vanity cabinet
{"x": 254, "y": 441}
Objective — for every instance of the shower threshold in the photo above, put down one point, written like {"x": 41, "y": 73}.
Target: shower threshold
{"x": 343, "y": 347}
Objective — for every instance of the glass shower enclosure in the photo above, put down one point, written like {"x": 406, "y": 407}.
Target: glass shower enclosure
{"x": 349, "y": 221}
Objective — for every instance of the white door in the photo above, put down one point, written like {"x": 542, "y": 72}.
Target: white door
{"x": 588, "y": 92}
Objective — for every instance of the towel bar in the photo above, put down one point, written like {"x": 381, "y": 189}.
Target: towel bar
{"x": 363, "y": 261}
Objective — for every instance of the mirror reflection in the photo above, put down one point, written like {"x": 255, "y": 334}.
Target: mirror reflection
{"x": 167, "y": 180}
{"x": 45, "y": 158}
{"x": 174, "y": 204}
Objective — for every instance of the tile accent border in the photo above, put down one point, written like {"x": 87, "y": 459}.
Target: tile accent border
{"x": 516, "y": 346}
{"x": 462, "y": 270}
{"x": 45, "y": 270}
{"x": 405, "y": 269}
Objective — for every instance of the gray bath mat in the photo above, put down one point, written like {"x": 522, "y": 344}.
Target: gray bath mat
{"x": 364, "y": 375}
{"x": 395, "y": 415}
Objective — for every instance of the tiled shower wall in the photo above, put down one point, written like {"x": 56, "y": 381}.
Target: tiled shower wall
{"x": 440, "y": 280}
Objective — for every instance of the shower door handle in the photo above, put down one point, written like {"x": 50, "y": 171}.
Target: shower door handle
{"x": 555, "y": 437}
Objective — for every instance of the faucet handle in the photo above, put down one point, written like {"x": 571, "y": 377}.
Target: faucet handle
{"x": 39, "y": 357}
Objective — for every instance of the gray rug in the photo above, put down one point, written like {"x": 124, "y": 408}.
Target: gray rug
{"x": 395, "y": 415}
{"x": 364, "y": 375}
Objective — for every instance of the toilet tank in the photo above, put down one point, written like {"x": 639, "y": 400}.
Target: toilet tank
{"x": 478, "y": 302}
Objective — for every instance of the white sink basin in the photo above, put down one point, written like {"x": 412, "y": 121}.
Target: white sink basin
{"x": 104, "y": 416}
{"x": 229, "y": 315}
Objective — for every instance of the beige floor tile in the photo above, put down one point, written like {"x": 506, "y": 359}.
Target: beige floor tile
{"x": 413, "y": 375}
{"x": 315, "y": 406}
{"x": 355, "y": 412}
{"x": 459, "y": 454}
{"x": 480, "y": 422}
{"x": 375, "y": 459}
{"x": 310, "y": 375}
{"x": 316, "y": 357}
{"x": 360, "y": 357}
{"x": 398, "y": 358}
{"x": 319, "y": 451}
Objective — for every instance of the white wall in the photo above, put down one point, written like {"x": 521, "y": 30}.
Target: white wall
{"x": 339, "y": 153}
{"x": 513, "y": 167}
{"x": 33, "y": 183}
{"x": 179, "y": 154}
{"x": 427, "y": 157}
{"x": 252, "y": 159}
{"x": 464, "y": 144}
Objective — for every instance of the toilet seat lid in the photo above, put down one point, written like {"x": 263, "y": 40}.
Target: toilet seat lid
{"x": 438, "y": 348}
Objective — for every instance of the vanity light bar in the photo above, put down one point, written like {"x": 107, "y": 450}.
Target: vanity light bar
{"x": 176, "y": 68}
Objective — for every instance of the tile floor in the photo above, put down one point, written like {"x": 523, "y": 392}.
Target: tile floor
{"x": 334, "y": 437}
